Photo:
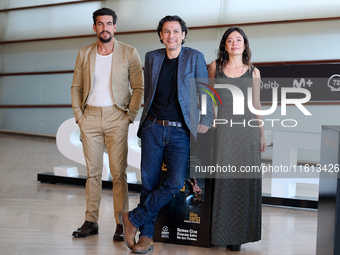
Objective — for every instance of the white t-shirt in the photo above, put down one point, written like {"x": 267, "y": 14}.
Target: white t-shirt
{"x": 102, "y": 94}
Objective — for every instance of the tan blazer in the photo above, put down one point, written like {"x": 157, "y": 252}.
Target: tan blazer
{"x": 126, "y": 68}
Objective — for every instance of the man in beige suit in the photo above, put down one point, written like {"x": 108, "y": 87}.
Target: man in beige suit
{"x": 104, "y": 107}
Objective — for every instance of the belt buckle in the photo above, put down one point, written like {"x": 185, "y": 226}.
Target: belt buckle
{"x": 165, "y": 123}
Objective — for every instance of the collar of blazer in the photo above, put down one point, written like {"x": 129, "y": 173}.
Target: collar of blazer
{"x": 115, "y": 59}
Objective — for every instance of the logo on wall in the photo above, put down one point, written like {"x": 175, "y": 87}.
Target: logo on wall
{"x": 334, "y": 82}
{"x": 165, "y": 232}
{"x": 269, "y": 84}
{"x": 302, "y": 83}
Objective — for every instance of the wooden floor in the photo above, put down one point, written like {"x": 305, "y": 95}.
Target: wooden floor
{"x": 38, "y": 218}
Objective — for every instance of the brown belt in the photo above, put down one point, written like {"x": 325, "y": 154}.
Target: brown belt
{"x": 166, "y": 123}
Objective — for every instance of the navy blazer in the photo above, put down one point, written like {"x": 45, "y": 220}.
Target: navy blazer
{"x": 191, "y": 65}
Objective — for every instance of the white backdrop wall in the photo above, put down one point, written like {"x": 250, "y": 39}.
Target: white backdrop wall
{"x": 277, "y": 42}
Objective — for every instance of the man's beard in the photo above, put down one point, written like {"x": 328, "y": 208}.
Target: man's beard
{"x": 103, "y": 40}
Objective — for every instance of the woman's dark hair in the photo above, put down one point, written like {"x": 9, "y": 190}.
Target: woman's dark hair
{"x": 223, "y": 56}
{"x": 102, "y": 12}
{"x": 172, "y": 18}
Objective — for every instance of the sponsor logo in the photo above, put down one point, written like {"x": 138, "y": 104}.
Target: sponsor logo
{"x": 165, "y": 232}
{"x": 302, "y": 83}
{"x": 334, "y": 82}
{"x": 269, "y": 84}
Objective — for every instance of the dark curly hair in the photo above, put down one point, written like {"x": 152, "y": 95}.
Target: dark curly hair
{"x": 102, "y": 12}
{"x": 172, "y": 18}
{"x": 223, "y": 56}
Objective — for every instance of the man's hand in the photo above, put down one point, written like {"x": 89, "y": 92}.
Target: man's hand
{"x": 202, "y": 128}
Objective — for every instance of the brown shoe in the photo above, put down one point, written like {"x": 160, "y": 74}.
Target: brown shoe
{"x": 129, "y": 230}
{"x": 144, "y": 245}
{"x": 118, "y": 235}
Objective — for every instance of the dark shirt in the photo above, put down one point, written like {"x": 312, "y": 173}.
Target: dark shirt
{"x": 165, "y": 105}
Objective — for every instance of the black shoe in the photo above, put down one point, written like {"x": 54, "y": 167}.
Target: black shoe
{"x": 88, "y": 228}
{"x": 234, "y": 247}
{"x": 118, "y": 236}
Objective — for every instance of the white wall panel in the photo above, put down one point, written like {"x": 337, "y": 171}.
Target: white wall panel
{"x": 284, "y": 42}
{"x": 269, "y": 43}
{"x": 202, "y": 40}
{"x": 140, "y": 15}
{"x": 268, "y": 10}
{"x": 43, "y": 56}
{"x": 50, "y": 21}
{"x": 23, "y": 3}
{"x": 295, "y": 41}
{"x": 34, "y": 120}
{"x": 36, "y": 89}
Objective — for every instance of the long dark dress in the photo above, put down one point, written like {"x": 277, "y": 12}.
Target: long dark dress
{"x": 236, "y": 213}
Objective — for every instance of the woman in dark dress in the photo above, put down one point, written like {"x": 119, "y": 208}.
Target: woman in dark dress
{"x": 236, "y": 212}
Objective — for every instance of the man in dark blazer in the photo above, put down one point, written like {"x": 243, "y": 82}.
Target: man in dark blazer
{"x": 171, "y": 112}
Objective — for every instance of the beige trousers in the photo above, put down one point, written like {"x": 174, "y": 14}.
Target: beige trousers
{"x": 102, "y": 126}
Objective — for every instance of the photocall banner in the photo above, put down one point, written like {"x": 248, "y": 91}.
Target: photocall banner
{"x": 186, "y": 218}
{"x": 322, "y": 80}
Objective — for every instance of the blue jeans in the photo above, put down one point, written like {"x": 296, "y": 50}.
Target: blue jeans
{"x": 169, "y": 144}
